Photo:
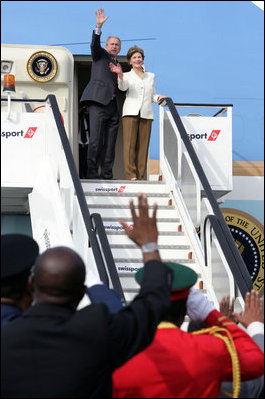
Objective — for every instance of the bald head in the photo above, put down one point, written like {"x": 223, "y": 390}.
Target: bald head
{"x": 58, "y": 277}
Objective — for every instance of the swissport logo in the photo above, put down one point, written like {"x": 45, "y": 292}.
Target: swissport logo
{"x": 19, "y": 133}
{"x": 121, "y": 189}
{"x": 30, "y": 132}
{"x": 214, "y": 135}
{"x": 204, "y": 136}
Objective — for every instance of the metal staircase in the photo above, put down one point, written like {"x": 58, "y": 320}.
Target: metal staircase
{"x": 111, "y": 200}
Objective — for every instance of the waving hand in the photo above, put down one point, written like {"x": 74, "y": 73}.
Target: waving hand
{"x": 100, "y": 17}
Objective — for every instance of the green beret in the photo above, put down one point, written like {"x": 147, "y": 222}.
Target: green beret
{"x": 183, "y": 278}
{"x": 18, "y": 254}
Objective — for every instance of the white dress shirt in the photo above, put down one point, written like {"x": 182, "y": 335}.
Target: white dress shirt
{"x": 141, "y": 92}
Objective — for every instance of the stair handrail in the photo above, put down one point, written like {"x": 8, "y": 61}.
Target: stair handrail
{"x": 100, "y": 229}
{"x": 78, "y": 190}
{"x": 226, "y": 241}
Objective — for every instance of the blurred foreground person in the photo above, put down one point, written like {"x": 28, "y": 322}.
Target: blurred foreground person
{"x": 54, "y": 351}
{"x": 253, "y": 320}
{"x": 182, "y": 365}
{"x": 18, "y": 255}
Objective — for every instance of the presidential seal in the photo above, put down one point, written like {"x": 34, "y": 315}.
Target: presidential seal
{"x": 248, "y": 234}
{"x": 42, "y": 66}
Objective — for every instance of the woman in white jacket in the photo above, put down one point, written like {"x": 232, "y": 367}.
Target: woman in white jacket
{"x": 137, "y": 113}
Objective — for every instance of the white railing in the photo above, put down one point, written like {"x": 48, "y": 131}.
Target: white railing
{"x": 179, "y": 172}
{"x": 33, "y": 157}
{"x": 64, "y": 222}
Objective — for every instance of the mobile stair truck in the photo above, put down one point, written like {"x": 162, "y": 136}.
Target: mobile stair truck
{"x": 39, "y": 113}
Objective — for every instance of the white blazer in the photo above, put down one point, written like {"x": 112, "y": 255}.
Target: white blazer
{"x": 141, "y": 92}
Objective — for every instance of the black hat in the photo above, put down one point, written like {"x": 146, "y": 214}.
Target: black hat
{"x": 183, "y": 279}
{"x": 18, "y": 254}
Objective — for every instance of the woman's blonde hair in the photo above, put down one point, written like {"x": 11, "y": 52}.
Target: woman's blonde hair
{"x": 132, "y": 51}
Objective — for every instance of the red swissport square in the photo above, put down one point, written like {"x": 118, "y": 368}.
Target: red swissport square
{"x": 213, "y": 136}
{"x": 30, "y": 133}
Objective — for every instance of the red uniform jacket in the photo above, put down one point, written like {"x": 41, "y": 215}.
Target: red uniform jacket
{"x": 178, "y": 364}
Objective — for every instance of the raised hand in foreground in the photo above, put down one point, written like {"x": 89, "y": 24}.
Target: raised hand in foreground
{"x": 253, "y": 309}
{"x": 144, "y": 230}
{"x": 228, "y": 309}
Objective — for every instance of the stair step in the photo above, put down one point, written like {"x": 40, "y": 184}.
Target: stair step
{"x": 124, "y": 198}
{"x": 139, "y": 260}
{"x": 163, "y": 224}
{"x": 125, "y": 195}
{"x": 171, "y": 238}
{"x": 127, "y": 207}
{"x": 163, "y": 233}
{"x": 161, "y": 247}
{"x": 124, "y": 212}
{"x": 128, "y": 268}
{"x": 174, "y": 252}
{"x": 119, "y": 186}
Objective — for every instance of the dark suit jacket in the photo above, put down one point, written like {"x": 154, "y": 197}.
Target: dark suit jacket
{"x": 103, "y": 83}
{"x": 52, "y": 351}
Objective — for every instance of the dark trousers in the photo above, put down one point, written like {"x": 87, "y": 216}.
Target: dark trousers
{"x": 104, "y": 124}
{"x": 83, "y": 161}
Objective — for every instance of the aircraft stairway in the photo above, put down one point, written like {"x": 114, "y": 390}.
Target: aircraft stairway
{"x": 85, "y": 214}
{"x": 111, "y": 200}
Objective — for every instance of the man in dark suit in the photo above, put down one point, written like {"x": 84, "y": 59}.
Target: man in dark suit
{"x": 101, "y": 96}
{"x": 54, "y": 351}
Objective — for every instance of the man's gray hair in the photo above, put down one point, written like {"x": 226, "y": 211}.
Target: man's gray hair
{"x": 115, "y": 37}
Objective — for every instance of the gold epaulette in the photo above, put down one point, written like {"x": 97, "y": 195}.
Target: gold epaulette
{"x": 166, "y": 324}
{"x": 229, "y": 343}
{"x": 226, "y": 323}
